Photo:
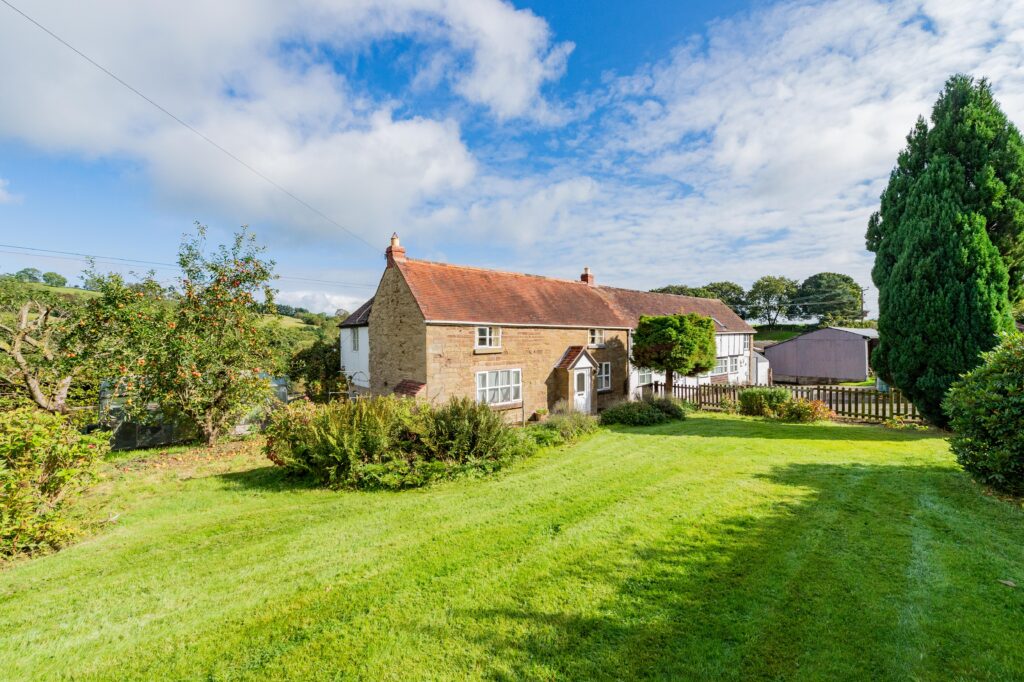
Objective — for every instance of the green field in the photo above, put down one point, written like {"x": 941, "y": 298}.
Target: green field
{"x": 717, "y": 548}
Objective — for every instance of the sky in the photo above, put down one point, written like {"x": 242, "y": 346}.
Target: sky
{"x": 655, "y": 142}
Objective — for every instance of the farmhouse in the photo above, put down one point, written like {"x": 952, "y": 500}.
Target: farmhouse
{"x": 517, "y": 342}
{"x": 823, "y": 356}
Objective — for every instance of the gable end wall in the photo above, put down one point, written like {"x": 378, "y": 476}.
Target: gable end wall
{"x": 397, "y": 335}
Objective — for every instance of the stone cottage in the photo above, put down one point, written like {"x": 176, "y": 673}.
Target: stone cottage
{"x": 514, "y": 341}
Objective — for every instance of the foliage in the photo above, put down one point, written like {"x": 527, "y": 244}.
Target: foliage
{"x": 942, "y": 286}
{"x": 829, "y": 297}
{"x": 203, "y": 356}
{"x": 804, "y": 411}
{"x": 670, "y": 407}
{"x": 633, "y": 413}
{"x": 770, "y": 298}
{"x": 948, "y": 244}
{"x": 683, "y": 344}
{"x": 44, "y": 461}
{"x": 31, "y": 275}
{"x": 54, "y": 279}
{"x": 564, "y": 428}
{"x": 762, "y": 401}
{"x": 40, "y": 357}
{"x": 645, "y": 412}
{"x": 970, "y": 129}
{"x": 391, "y": 442}
{"x": 986, "y": 410}
{"x": 729, "y": 293}
{"x": 729, "y": 406}
{"x": 318, "y": 369}
{"x": 899, "y": 422}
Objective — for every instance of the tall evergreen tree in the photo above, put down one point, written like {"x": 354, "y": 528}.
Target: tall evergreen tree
{"x": 969, "y": 126}
{"x": 943, "y": 287}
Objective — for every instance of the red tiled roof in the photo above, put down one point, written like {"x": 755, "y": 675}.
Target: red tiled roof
{"x": 455, "y": 293}
{"x": 359, "y": 318}
{"x": 409, "y": 388}
{"x": 571, "y": 354}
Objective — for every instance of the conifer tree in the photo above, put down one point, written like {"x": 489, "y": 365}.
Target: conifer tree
{"x": 943, "y": 285}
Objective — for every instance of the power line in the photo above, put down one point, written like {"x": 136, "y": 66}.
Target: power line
{"x": 181, "y": 122}
{"x": 158, "y": 265}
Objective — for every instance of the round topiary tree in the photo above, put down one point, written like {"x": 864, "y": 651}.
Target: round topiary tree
{"x": 986, "y": 413}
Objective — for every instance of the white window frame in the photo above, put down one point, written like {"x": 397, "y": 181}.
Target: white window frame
{"x": 355, "y": 339}
{"x": 734, "y": 364}
{"x": 642, "y": 373}
{"x": 746, "y": 342}
{"x": 596, "y": 337}
{"x": 491, "y": 336}
{"x": 507, "y": 393}
{"x": 604, "y": 376}
{"x": 721, "y": 366}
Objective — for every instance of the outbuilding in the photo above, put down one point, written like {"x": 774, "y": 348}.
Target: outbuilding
{"x": 823, "y": 356}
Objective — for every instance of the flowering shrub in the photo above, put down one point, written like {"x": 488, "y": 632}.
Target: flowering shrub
{"x": 44, "y": 461}
{"x": 391, "y": 442}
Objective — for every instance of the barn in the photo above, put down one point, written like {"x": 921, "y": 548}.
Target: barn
{"x": 823, "y": 356}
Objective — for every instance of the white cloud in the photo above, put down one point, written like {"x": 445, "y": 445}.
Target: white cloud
{"x": 763, "y": 149}
{"x": 321, "y": 302}
{"x": 6, "y": 197}
{"x": 253, "y": 75}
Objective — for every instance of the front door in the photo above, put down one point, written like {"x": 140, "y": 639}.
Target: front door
{"x": 581, "y": 390}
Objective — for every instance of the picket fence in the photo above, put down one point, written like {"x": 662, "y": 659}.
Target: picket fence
{"x": 849, "y": 402}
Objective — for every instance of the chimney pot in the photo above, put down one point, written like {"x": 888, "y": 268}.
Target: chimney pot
{"x": 395, "y": 252}
{"x": 587, "y": 276}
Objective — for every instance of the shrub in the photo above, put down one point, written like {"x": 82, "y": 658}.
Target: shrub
{"x": 670, "y": 407}
{"x": 763, "y": 402}
{"x": 804, "y": 411}
{"x": 44, "y": 461}
{"x": 728, "y": 405}
{"x": 463, "y": 430}
{"x": 986, "y": 411}
{"x": 562, "y": 428}
{"x": 390, "y": 442}
{"x": 635, "y": 413}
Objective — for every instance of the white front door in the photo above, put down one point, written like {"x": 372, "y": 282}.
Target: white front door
{"x": 581, "y": 390}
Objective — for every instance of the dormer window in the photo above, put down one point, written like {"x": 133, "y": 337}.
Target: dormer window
{"x": 596, "y": 338}
{"x": 488, "y": 337}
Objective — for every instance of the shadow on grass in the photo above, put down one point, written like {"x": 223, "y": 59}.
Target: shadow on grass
{"x": 704, "y": 426}
{"x": 268, "y": 478}
{"x": 849, "y": 572}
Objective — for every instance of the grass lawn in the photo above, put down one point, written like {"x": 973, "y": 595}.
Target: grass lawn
{"x": 866, "y": 383}
{"x": 718, "y": 548}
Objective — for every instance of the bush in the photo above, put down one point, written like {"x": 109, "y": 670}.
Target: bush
{"x": 391, "y": 442}
{"x": 562, "y": 428}
{"x": 44, "y": 461}
{"x": 986, "y": 411}
{"x": 670, "y": 407}
{"x": 635, "y": 413}
{"x": 804, "y": 411}
{"x": 763, "y": 402}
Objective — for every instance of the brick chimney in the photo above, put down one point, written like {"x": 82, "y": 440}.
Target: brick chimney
{"x": 396, "y": 252}
{"x": 587, "y": 277}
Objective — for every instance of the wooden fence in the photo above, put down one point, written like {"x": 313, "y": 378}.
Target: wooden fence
{"x": 849, "y": 402}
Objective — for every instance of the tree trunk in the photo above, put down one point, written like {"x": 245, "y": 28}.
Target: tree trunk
{"x": 669, "y": 376}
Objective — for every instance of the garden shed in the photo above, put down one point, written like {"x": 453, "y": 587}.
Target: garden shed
{"x": 823, "y": 356}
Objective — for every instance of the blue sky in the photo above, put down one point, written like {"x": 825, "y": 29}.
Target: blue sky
{"x": 656, "y": 142}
